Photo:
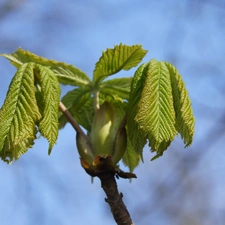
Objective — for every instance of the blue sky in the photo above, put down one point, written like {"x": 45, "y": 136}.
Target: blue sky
{"x": 38, "y": 189}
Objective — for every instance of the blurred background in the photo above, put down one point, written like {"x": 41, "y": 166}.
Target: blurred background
{"x": 185, "y": 186}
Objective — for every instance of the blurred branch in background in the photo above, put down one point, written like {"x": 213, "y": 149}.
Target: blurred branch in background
{"x": 8, "y": 6}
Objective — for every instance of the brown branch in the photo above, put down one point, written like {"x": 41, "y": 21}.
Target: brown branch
{"x": 114, "y": 199}
{"x": 72, "y": 121}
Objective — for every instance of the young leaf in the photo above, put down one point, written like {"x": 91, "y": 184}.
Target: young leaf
{"x": 80, "y": 105}
{"x": 155, "y": 113}
{"x": 66, "y": 74}
{"x": 19, "y": 115}
{"x": 131, "y": 158}
{"x": 119, "y": 87}
{"x": 136, "y": 135}
{"x": 120, "y": 57}
{"x": 184, "y": 114}
{"x": 50, "y": 91}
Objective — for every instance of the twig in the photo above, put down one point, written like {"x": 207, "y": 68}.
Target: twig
{"x": 72, "y": 121}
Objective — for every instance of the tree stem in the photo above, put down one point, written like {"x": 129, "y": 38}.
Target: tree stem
{"x": 114, "y": 199}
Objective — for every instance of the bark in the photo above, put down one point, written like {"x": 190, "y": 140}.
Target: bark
{"x": 115, "y": 199}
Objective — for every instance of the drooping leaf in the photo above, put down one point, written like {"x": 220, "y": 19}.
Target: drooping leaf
{"x": 50, "y": 91}
{"x": 137, "y": 136}
{"x": 80, "y": 105}
{"x": 39, "y": 97}
{"x": 115, "y": 59}
{"x": 155, "y": 113}
{"x": 131, "y": 158}
{"x": 184, "y": 114}
{"x": 119, "y": 87}
{"x": 19, "y": 115}
{"x": 66, "y": 73}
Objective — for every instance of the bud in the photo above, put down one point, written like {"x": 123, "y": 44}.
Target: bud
{"x": 105, "y": 126}
{"x": 120, "y": 145}
{"x": 85, "y": 149}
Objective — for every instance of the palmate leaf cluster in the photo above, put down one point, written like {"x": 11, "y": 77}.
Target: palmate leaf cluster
{"x": 159, "y": 108}
{"x": 154, "y": 101}
{"x": 21, "y": 116}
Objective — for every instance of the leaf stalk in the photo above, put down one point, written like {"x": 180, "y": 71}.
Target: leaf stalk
{"x": 72, "y": 121}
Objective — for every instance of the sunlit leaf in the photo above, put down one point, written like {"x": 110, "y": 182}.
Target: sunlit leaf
{"x": 19, "y": 115}
{"x": 66, "y": 73}
{"x": 115, "y": 59}
{"x": 184, "y": 114}
{"x": 50, "y": 91}
{"x": 155, "y": 114}
{"x": 136, "y": 135}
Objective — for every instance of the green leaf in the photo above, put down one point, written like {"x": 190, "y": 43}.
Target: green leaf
{"x": 131, "y": 158}
{"x": 80, "y": 105}
{"x": 155, "y": 113}
{"x": 50, "y": 91}
{"x": 184, "y": 114}
{"x": 66, "y": 74}
{"x": 136, "y": 135}
{"x": 120, "y": 57}
{"x": 19, "y": 115}
{"x": 119, "y": 87}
